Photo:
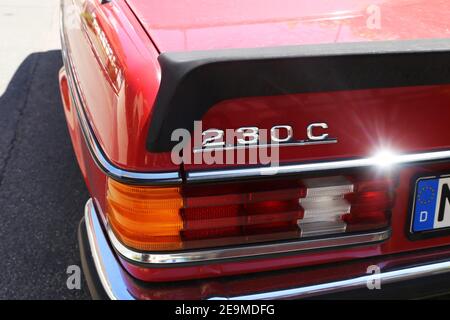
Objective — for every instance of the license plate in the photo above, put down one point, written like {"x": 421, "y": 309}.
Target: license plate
{"x": 431, "y": 204}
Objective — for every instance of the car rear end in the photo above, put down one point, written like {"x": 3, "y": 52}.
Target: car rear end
{"x": 283, "y": 172}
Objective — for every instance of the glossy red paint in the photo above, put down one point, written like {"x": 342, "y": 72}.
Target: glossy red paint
{"x": 119, "y": 112}
{"x": 365, "y": 122}
{"x": 95, "y": 179}
{"x": 119, "y": 108}
{"x": 214, "y": 24}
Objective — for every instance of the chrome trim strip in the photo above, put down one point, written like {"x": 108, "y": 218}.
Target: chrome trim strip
{"x": 344, "y": 285}
{"x": 106, "y": 264}
{"x": 146, "y": 178}
{"x": 109, "y": 271}
{"x": 395, "y": 160}
{"x": 243, "y": 251}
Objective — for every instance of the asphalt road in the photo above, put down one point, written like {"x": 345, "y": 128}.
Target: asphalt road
{"x": 41, "y": 190}
{"x": 42, "y": 194}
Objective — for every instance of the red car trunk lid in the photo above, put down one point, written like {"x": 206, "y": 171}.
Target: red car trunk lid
{"x": 185, "y": 25}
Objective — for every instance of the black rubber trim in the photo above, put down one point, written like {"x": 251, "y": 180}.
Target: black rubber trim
{"x": 192, "y": 82}
{"x": 87, "y": 263}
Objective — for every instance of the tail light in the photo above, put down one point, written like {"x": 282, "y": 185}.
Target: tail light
{"x": 202, "y": 216}
{"x": 145, "y": 218}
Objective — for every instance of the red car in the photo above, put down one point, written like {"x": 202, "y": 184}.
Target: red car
{"x": 261, "y": 149}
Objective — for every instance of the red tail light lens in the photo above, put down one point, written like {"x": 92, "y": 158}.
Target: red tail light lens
{"x": 245, "y": 213}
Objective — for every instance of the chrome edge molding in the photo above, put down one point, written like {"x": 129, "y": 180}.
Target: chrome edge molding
{"x": 110, "y": 275}
{"x": 344, "y": 285}
{"x": 108, "y": 269}
{"x": 116, "y": 173}
{"x": 231, "y": 174}
{"x": 244, "y": 251}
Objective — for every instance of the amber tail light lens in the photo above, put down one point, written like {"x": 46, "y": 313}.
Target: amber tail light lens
{"x": 203, "y": 216}
{"x": 145, "y": 218}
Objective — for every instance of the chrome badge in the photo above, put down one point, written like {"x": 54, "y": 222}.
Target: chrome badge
{"x": 254, "y": 137}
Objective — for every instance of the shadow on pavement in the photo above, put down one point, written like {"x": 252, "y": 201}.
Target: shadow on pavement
{"x": 42, "y": 193}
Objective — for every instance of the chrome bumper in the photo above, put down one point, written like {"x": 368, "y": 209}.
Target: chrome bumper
{"x": 110, "y": 271}
{"x": 108, "y": 268}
